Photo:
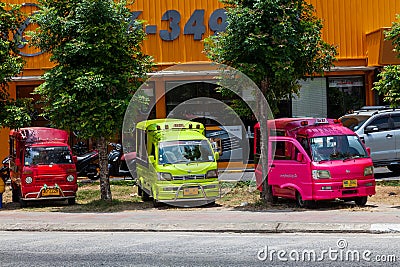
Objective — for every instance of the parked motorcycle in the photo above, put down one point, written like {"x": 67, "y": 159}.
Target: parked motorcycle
{"x": 87, "y": 163}
{"x": 118, "y": 162}
{"x": 80, "y": 148}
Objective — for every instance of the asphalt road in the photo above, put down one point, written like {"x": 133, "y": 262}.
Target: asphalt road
{"x": 197, "y": 249}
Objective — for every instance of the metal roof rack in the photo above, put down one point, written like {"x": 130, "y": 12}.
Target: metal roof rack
{"x": 371, "y": 108}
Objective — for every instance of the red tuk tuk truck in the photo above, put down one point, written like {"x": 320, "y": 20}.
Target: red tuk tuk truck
{"x": 41, "y": 165}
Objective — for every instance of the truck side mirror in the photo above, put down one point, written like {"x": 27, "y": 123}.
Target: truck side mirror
{"x": 299, "y": 157}
{"x": 216, "y": 155}
{"x": 370, "y": 129}
{"x": 369, "y": 151}
{"x": 151, "y": 159}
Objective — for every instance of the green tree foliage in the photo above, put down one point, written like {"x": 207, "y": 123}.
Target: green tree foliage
{"x": 96, "y": 49}
{"x": 274, "y": 42}
{"x": 389, "y": 83}
{"x": 13, "y": 113}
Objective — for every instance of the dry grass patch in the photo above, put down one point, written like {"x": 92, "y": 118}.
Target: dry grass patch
{"x": 387, "y": 192}
{"x": 241, "y": 196}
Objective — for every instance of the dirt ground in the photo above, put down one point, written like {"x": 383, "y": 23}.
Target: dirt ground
{"x": 389, "y": 195}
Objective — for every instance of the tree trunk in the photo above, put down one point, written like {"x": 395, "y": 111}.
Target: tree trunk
{"x": 266, "y": 193}
{"x": 105, "y": 189}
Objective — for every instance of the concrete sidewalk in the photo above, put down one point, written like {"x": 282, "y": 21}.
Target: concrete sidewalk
{"x": 373, "y": 219}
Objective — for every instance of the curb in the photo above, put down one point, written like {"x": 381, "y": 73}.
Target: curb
{"x": 277, "y": 227}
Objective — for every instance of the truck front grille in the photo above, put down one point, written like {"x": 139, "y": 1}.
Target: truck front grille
{"x": 190, "y": 177}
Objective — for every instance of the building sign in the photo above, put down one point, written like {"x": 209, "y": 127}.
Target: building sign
{"x": 171, "y": 25}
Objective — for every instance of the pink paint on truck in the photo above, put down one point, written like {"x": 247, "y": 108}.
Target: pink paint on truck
{"x": 315, "y": 159}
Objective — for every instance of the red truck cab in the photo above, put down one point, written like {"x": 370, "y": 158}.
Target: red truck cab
{"x": 315, "y": 159}
{"x": 41, "y": 165}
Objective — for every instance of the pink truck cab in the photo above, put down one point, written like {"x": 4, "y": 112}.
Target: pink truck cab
{"x": 315, "y": 159}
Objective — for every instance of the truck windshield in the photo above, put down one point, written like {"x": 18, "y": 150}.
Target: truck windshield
{"x": 47, "y": 155}
{"x": 339, "y": 147}
{"x": 171, "y": 152}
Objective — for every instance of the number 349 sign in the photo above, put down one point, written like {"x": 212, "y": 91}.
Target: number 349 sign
{"x": 195, "y": 25}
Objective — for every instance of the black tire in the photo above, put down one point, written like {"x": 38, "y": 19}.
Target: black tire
{"x": 394, "y": 168}
{"x": 16, "y": 194}
{"x": 145, "y": 196}
{"x": 274, "y": 199}
{"x": 156, "y": 203}
{"x": 71, "y": 201}
{"x": 361, "y": 201}
{"x": 139, "y": 191}
{"x": 304, "y": 203}
{"x": 210, "y": 204}
{"x": 94, "y": 174}
{"x": 94, "y": 177}
{"x": 22, "y": 203}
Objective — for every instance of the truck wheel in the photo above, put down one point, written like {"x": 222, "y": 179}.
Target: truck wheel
{"x": 139, "y": 190}
{"x": 274, "y": 199}
{"x": 71, "y": 201}
{"x": 16, "y": 194}
{"x": 394, "y": 168}
{"x": 145, "y": 196}
{"x": 304, "y": 203}
{"x": 157, "y": 203}
{"x": 361, "y": 201}
{"x": 22, "y": 203}
{"x": 94, "y": 177}
{"x": 93, "y": 172}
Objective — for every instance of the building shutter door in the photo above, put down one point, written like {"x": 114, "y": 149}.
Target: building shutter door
{"x": 312, "y": 101}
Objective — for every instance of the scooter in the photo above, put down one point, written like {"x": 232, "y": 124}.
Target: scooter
{"x": 118, "y": 162}
{"x": 79, "y": 148}
{"x": 87, "y": 163}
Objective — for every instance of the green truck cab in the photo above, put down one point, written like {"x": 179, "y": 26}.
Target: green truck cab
{"x": 175, "y": 163}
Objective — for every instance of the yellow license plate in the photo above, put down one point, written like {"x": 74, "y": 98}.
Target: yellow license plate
{"x": 349, "y": 183}
{"x": 190, "y": 191}
{"x": 50, "y": 192}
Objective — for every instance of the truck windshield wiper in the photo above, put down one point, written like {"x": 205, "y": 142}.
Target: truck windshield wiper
{"x": 182, "y": 161}
{"x": 351, "y": 157}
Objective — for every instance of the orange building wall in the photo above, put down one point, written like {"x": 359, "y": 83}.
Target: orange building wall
{"x": 346, "y": 23}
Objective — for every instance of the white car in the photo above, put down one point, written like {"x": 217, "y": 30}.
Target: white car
{"x": 379, "y": 128}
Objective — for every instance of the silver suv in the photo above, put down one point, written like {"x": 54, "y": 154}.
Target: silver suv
{"x": 379, "y": 128}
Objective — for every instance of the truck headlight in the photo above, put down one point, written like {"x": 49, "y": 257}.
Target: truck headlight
{"x": 164, "y": 176}
{"x": 321, "y": 174}
{"x": 28, "y": 180}
{"x": 70, "y": 178}
{"x": 212, "y": 174}
{"x": 368, "y": 171}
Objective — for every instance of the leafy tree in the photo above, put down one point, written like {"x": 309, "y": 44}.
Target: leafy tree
{"x": 275, "y": 43}
{"x": 389, "y": 83}
{"x": 98, "y": 60}
{"x": 13, "y": 113}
